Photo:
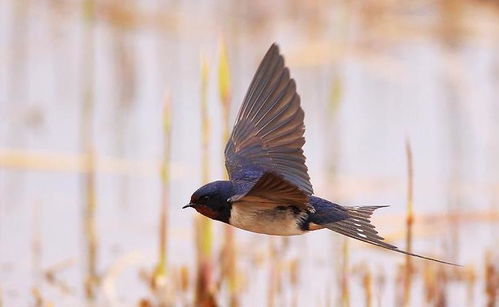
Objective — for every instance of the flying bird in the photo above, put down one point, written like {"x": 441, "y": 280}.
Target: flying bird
{"x": 269, "y": 190}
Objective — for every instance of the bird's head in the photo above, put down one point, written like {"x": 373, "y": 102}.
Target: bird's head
{"x": 211, "y": 200}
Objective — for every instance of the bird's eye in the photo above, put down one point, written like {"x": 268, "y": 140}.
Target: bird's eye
{"x": 205, "y": 197}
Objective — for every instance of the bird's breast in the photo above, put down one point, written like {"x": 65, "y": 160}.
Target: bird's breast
{"x": 273, "y": 220}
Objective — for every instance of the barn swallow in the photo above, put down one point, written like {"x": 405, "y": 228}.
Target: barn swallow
{"x": 269, "y": 190}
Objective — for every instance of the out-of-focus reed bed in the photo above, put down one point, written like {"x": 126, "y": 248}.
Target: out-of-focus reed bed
{"x": 222, "y": 277}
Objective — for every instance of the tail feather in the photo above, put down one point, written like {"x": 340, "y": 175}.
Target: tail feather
{"x": 358, "y": 226}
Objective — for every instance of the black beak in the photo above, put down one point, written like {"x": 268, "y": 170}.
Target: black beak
{"x": 187, "y": 206}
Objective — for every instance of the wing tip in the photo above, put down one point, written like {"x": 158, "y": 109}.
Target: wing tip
{"x": 274, "y": 51}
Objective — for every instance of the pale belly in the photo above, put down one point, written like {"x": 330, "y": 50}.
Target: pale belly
{"x": 265, "y": 220}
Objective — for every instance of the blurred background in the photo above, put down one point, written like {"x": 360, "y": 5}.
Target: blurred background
{"x": 113, "y": 112}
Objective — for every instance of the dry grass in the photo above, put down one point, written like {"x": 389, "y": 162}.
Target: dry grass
{"x": 229, "y": 257}
{"x": 409, "y": 226}
{"x": 205, "y": 287}
{"x": 91, "y": 279}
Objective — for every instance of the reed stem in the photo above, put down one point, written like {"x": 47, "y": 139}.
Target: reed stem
{"x": 160, "y": 272}
{"x": 203, "y": 225}
{"x": 409, "y": 225}
{"x": 229, "y": 259}
{"x": 88, "y": 181}
{"x": 345, "y": 272}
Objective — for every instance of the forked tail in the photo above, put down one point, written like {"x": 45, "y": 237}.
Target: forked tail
{"x": 358, "y": 226}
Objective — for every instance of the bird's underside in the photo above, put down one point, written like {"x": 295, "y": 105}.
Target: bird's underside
{"x": 288, "y": 220}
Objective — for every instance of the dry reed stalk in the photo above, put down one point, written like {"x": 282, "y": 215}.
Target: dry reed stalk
{"x": 408, "y": 272}
{"x": 159, "y": 282}
{"x": 90, "y": 232}
{"x": 229, "y": 259}
{"x": 87, "y": 143}
{"x": 332, "y": 135}
{"x": 344, "y": 277}
{"x": 203, "y": 226}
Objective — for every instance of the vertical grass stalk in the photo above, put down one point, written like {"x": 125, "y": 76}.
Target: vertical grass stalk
{"x": 203, "y": 227}
{"x": 229, "y": 248}
{"x": 409, "y": 226}
{"x": 160, "y": 272}
{"x": 345, "y": 272}
{"x": 88, "y": 181}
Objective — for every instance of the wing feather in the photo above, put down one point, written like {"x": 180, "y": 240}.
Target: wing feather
{"x": 272, "y": 190}
{"x": 268, "y": 133}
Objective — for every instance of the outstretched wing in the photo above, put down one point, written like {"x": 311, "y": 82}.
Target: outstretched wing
{"x": 268, "y": 133}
